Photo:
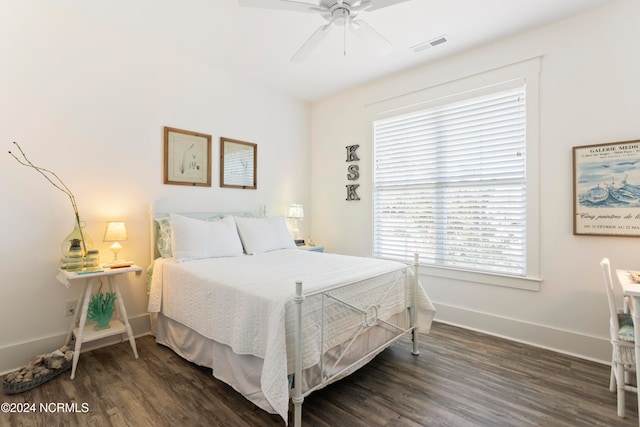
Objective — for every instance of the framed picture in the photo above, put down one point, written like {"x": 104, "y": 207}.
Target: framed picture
{"x": 606, "y": 189}
{"x": 187, "y": 157}
{"x": 238, "y": 164}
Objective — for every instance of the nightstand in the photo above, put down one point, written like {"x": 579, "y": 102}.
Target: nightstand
{"x": 116, "y": 326}
{"x": 312, "y": 248}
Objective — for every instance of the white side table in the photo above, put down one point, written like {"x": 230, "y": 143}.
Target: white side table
{"x": 312, "y": 248}
{"x": 116, "y": 326}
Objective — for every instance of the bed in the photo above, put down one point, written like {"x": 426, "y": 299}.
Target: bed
{"x": 232, "y": 292}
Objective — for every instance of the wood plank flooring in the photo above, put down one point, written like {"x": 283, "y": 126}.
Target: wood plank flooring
{"x": 460, "y": 378}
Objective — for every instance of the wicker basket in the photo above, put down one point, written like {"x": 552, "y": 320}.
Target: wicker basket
{"x": 14, "y": 388}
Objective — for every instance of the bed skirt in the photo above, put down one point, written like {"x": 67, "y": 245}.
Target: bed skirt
{"x": 243, "y": 371}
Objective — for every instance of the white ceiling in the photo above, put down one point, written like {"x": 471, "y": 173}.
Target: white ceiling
{"x": 258, "y": 43}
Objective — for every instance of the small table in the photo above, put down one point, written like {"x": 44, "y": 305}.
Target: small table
{"x": 311, "y": 248}
{"x": 116, "y": 326}
{"x": 632, "y": 289}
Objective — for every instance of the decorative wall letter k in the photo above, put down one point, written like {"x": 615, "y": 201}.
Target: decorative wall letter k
{"x": 351, "y": 153}
{"x": 351, "y": 192}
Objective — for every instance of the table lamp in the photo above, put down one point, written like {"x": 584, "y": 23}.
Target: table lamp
{"x": 297, "y": 213}
{"x": 116, "y": 232}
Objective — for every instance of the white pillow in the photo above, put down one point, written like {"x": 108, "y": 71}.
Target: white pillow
{"x": 264, "y": 234}
{"x": 196, "y": 239}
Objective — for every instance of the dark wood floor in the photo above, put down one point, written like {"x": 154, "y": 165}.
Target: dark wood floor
{"x": 461, "y": 378}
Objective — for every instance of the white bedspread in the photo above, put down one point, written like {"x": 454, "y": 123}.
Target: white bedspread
{"x": 247, "y": 303}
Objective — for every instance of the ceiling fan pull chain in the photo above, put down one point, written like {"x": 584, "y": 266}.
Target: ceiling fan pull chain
{"x": 344, "y": 40}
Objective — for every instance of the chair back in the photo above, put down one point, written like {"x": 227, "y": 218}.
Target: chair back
{"x": 613, "y": 309}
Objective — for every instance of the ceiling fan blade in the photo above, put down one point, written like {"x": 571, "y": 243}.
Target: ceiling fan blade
{"x": 295, "y": 6}
{"x": 359, "y": 5}
{"x": 371, "y": 37}
{"x": 312, "y": 42}
{"x": 379, "y": 4}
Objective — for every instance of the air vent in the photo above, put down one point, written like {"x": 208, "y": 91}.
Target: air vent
{"x": 429, "y": 44}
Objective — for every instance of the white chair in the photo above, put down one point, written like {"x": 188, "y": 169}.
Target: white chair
{"x": 623, "y": 359}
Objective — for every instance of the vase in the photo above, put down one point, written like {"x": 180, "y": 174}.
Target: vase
{"x": 78, "y": 234}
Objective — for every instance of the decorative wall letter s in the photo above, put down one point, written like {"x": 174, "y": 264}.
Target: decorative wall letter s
{"x": 354, "y": 172}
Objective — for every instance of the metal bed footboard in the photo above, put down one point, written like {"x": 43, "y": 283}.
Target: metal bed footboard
{"x": 369, "y": 318}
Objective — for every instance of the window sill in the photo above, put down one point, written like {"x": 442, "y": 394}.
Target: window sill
{"x": 514, "y": 282}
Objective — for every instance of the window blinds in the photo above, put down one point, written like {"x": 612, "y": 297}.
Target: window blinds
{"x": 450, "y": 184}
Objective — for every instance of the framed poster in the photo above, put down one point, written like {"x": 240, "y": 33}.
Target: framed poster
{"x": 187, "y": 157}
{"x": 606, "y": 189}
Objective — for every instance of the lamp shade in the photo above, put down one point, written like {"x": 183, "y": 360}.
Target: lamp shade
{"x": 116, "y": 232}
{"x": 295, "y": 211}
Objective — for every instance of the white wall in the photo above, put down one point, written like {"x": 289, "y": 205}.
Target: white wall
{"x": 588, "y": 95}
{"x": 90, "y": 103}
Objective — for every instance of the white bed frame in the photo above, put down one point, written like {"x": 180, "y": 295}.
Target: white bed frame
{"x": 368, "y": 316}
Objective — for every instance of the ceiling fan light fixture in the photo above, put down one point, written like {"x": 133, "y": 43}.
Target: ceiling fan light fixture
{"x": 340, "y": 16}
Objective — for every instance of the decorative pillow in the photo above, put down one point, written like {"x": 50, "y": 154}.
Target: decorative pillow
{"x": 197, "y": 239}
{"x": 264, "y": 234}
{"x": 163, "y": 237}
{"x": 163, "y": 234}
{"x": 625, "y": 323}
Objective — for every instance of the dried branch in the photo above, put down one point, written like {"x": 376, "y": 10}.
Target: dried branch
{"x": 54, "y": 180}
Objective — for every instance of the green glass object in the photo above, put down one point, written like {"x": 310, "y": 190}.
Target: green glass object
{"x": 74, "y": 259}
{"x": 92, "y": 260}
{"x": 81, "y": 236}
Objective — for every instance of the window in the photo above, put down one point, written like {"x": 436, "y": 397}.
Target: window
{"x": 450, "y": 183}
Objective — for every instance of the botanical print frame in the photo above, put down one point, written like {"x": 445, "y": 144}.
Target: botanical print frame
{"x": 238, "y": 164}
{"x": 606, "y": 189}
{"x": 187, "y": 157}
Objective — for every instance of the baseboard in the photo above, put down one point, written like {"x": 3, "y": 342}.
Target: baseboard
{"x": 568, "y": 342}
{"x": 15, "y": 356}
{"x": 575, "y": 344}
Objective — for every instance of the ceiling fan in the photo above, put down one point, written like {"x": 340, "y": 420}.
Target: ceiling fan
{"x": 339, "y": 13}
